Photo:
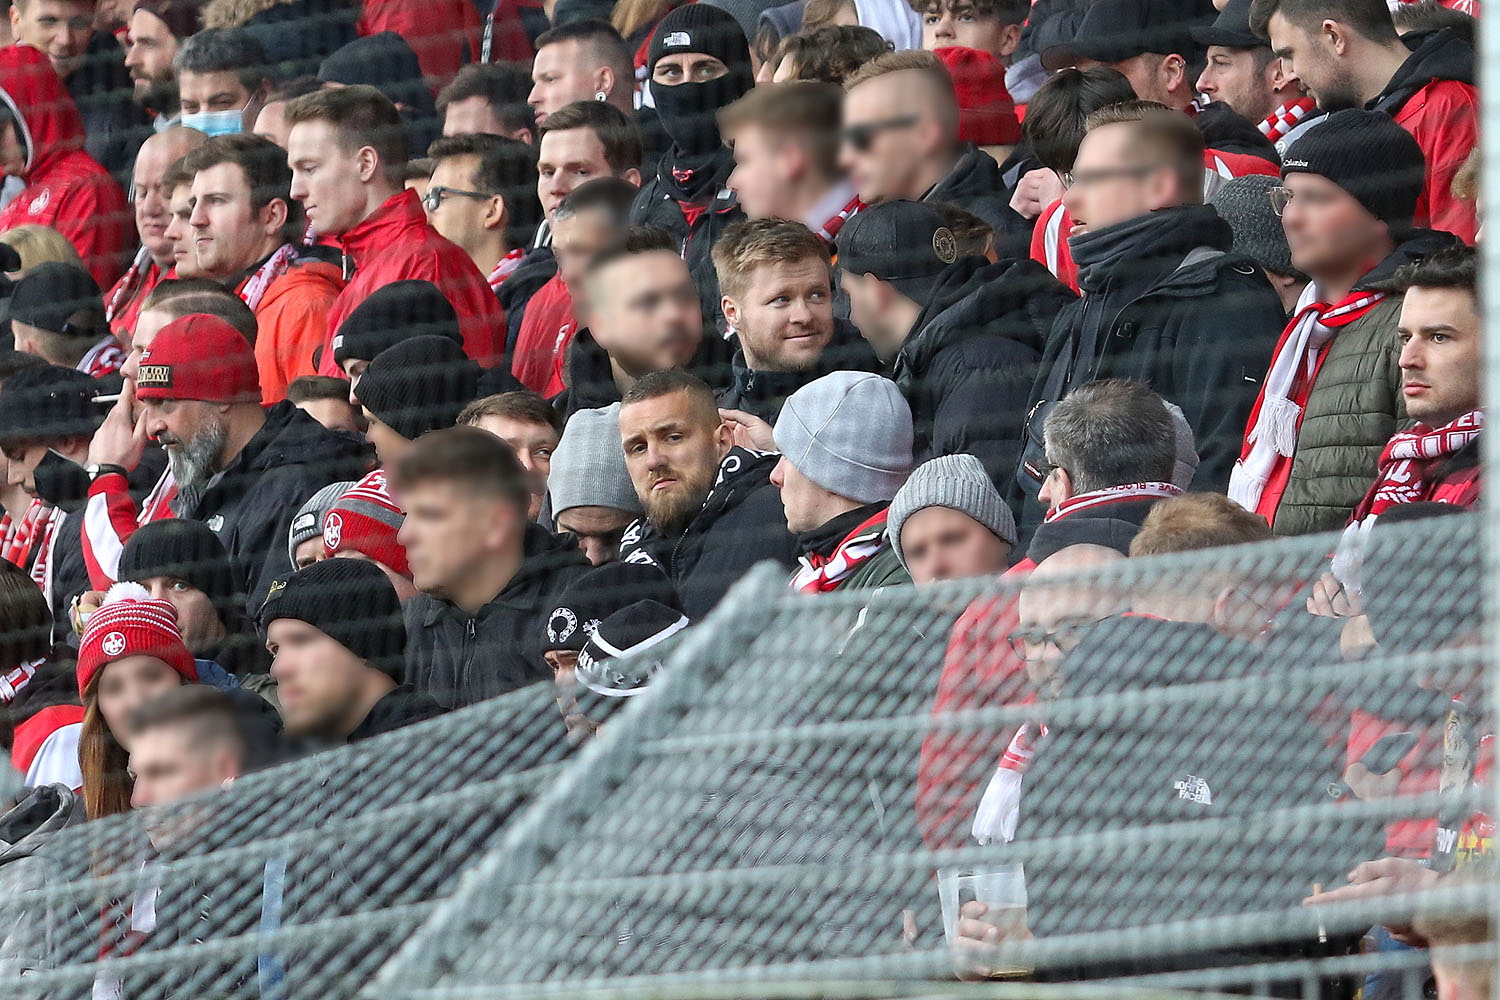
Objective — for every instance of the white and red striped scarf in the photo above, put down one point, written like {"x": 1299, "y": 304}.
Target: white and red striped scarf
{"x": 125, "y": 290}
{"x": 21, "y": 538}
{"x": 12, "y": 681}
{"x": 104, "y": 358}
{"x": 820, "y": 574}
{"x": 1000, "y": 807}
{"x": 1113, "y": 495}
{"x": 1285, "y": 118}
{"x": 505, "y": 268}
{"x": 1410, "y": 458}
{"x": 255, "y": 286}
{"x": 828, "y": 232}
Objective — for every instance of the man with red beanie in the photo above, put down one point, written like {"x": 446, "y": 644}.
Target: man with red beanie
{"x": 41, "y": 142}
{"x": 240, "y": 468}
{"x": 363, "y": 524}
{"x": 347, "y": 150}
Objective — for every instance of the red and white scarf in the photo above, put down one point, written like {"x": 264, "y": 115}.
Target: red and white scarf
{"x": 505, "y": 268}
{"x": 1411, "y": 457}
{"x": 104, "y": 358}
{"x": 12, "y": 681}
{"x": 255, "y": 287}
{"x": 1000, "y": 807}
{"x": 128, "y": 286}
{"x": 18, "y": 539}
{"x": 1266, "y": 455}
{"x": 1285, "y": 118}
{"x": 828, "y": 232}
{"x": 820, "y": 574}
{"x": 1114, "y": 495}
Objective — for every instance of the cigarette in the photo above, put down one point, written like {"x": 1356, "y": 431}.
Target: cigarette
{"x": 103, "y": 400}
{"x": 1322, "y": 931}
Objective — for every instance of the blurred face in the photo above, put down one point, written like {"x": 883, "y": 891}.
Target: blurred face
{"x": 460, "y": 217}
{"x": 575, "y": 240}
{"x": 878, "y": 150}
{"x": 151, "y": 211}
{"x": 785, "y": 315}
{"x": 388, "y": 444}
{"x": 271, "y": 123}
{"x": 566, "y": 160}
{"x": 12, "y": 153}
{"x": 1440, "y": 354}
{"x": 168, "y": 765}
{"x": 940, "y": 543}
{"x": 673, "y": 452}
{"x": 644, "y": 310}
{"x": 1230, "y": 77}
{"x": 147, "y": 325}
{"x": 533, "y": 445}
{"x": 562, "y": 74}
{"x": 959, "y": 24}
{"x": 1053, "y": 620}
{"x": 764, "y": 169}
{"x": 450, "y": 530}
{"x": 475, "y": 115}
{"x": 1328, "y": 231}
{"x": 223, "y": 91}
{"x": 1315, "y": 59}
{"x": 327, "y": 179}
{"x": 807, "y": 504}
{"x": 686, "y": 67}
{"x": 869, "y": 302}
{"x": 598, "y": 530}
{"x": 128, "y": 683}
{"x": 309, "y": 552}
{"x": 335, "y": 414}
{"x": 1111, "y": 183}
{"x": 179, "y": 232}
{"x": 318, "y": 681}
{"x": 149, "y": 49}
{"x": 229, "y": 235}
{"x": 60, "y": 28}
{"x": 196, "y": 617}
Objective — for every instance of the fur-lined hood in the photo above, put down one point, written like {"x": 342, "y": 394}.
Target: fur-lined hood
{"x": 234, "y": 13}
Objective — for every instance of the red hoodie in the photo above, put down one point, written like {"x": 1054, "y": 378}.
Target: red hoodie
{"x": 65, "y": 187}
{"x": 445, "y": 34}
{"x": 397, "y": 243}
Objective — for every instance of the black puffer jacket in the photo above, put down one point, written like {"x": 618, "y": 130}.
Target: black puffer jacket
{"x": 976, "y": 185}
{"x": 460, "y": 659}
{"x": 1165, "y": 304}
{"x": 741, "y": 523}
{"x": 967, "y": 368}
{"x": 251, "y": 503}
{"x": 763, "y": 393}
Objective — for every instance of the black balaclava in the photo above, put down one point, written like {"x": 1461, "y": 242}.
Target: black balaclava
{"x": 691, "y": 169}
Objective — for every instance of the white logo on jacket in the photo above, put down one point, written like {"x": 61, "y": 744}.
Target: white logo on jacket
{"x": 1194, "y": 789}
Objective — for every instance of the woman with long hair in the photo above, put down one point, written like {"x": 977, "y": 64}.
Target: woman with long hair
{"x": 131, "y": 652}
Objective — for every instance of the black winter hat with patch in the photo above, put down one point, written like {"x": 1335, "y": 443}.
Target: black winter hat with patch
{"x": 349, "y": 600}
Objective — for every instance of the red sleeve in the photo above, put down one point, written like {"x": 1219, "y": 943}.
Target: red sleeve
{"x": 93, "y": 216}
{"x": 109, "y": 519}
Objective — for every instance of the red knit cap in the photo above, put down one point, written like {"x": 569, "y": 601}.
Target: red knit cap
{"x": 130, "y": 624}
{"x": 199, "y": 357}
{"x": 365, "y": 520}
{"x": 986, "y": 113}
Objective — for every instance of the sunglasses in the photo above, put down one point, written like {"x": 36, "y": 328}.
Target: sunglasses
{"x": 862, "y": 136}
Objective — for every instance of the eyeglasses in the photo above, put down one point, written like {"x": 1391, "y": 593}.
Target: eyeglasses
{"x": 1280, "y": 198}
{"x": 435, "y": 195}
{"x": 1026, "y": 642}
{"x": 1087, "y": 177}
{"x": 862, "y": 136}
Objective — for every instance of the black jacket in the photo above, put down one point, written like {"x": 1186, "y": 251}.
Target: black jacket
{"x": 1165, "y": 304}
{"x": 404, "y": 706}
{"x": 976, "y": 185}
{"x": 967, "y": 368}
{"x": 460, "y": 659}
{"x": 250, "y": 504}
{"x": 113, "y": 125}
{"x": 741, "y": 523}
{"x": 591, "y": 380}
{"x": 1112, "y": 525}
{"x": 763, "y": 393}
{"x": 1435, "y": 55}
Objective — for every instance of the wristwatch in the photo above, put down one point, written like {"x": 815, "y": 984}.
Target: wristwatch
{"x": 97, "y": 469}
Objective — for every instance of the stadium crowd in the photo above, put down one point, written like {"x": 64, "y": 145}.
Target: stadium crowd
{"x": 438, "y": 351}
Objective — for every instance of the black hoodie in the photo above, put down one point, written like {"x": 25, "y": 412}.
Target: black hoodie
{"x": 402, "y": 706}
{"x": 967, "y": 367}
{"x": 591, "y": 380}
{"x": 763, "y": 393}
{"x": 459, "y": 659}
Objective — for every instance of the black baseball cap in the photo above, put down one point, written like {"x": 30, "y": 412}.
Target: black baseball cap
{"x": 1231, "y": 29}
{"x": 903, "y": 242}
{"x": 1115, "y": 30}
{"x": 60, "y": 298}
{"x": 50, "y": 403}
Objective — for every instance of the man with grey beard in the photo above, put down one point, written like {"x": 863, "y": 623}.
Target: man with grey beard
{"x": 241, "y": 468}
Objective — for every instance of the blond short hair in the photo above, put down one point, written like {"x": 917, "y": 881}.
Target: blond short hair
{"x": 1197, "y": 521}
{"x": 744, "y": 246}
{"x": 37, "y": 245}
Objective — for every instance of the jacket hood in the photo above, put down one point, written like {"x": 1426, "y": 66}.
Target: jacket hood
{"x": 1147, "y": 242}
{"x": 536, "y": 269}
{"x": 1228, "y": 132}
{"x": 385, "y": 226}
{"x": 1436, "y": 55}
{"x": 43, "y": 812}
{"x": 291, "y": 437}
{"x": 46, "y": 118}
{"x": 972, "y": 297}
{"x": 591, "y": 381}
{"x": 1417, "y": 245}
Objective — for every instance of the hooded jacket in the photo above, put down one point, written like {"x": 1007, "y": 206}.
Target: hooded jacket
{"x": 1232, "y": 147}
{"x": 445, "y": 34}
{"x": 740, "y": 524}
{"x": 250, "y": 504}
{"x": 292, "y": 318}
{"x": 762, "y": 393}
{"x": 65, "y": 187}
{"x": 542, "y": 338}
{"x": 396, "y": 243}
{"x": 459, "y": 659}
{"x": 536, "y": 270}
{"x": 655, "y": 206}
{"x": 39, "y": 934}
{"x": 1433, "y": 97}
{"x": 976, "y": 186}
{"x": 1165, "y": 304}
{"x": 967, "y": 367}
{"x": 295, "y": 34}
{"x": 403, "y": 706}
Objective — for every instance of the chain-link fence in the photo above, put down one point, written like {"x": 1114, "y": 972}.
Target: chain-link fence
{"x": 830, "y": 796}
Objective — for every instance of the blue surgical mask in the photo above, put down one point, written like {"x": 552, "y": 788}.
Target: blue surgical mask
{"x": 212, "y": 123}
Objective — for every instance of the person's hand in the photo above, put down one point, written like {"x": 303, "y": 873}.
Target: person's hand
{"x": 1035, "y": 191}
{"x": 749, "y": 430}
{"x": 975, "y": 940}
{"x": 1384, "y": 877}
{"x": 121, "y": 439}
{"x": 1329, "y": 599}
{"x": 84, "y": 605}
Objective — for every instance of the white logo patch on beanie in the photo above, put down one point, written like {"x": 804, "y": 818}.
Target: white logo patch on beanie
{"x": 113, "y": 644}
{"x": 333, "y": 531}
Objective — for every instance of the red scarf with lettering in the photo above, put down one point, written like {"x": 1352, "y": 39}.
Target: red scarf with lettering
{"x": 1411, "y": 458}
{"x": 821, "y": 574}
{"x": 1114, "y": 495}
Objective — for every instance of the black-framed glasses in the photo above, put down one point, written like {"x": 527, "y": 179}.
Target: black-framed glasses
{"x": 862, "y": 136}
{"x": 1087, "y": 177}
{"x": 435, "y": 195}
{"x": 1064, "y": 637}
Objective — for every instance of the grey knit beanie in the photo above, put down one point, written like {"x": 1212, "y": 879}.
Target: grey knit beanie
{"x": 1245, "y": 203}
{"x": 850, "y": 433}
{"x": 588, "y": 465}
{"x": 958, "y": 482}
{"x": 1186, "y": 465}
{"x": 309, "y": 520}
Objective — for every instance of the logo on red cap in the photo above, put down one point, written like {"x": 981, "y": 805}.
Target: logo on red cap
{"x": 113, "y": 644}
{"x": 333, "y": 531}
{"x": 154, "y": 376}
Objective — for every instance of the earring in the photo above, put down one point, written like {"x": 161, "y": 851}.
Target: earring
{"x": 600, "y": 96}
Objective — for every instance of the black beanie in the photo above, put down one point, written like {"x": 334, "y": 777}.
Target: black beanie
{"x": 697, "y": 27}
{"x": 50, "y": 403}
{"x": 60, "y": 298}
{"x": 1368, "y": 155}
{"x": 351, "y": 602}
{"x": 419, "y": 385}
{"x": 599, "y": 593}
{"x": 627, "y": 635}
{"x": 393, "y": 313}
{"x": 187, "y": 550}
{"x": 689, "y": 110}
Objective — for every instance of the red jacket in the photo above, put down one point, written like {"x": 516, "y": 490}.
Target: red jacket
{"x": 292, "y": 318}
{"x": 445, "y": 34}
{"x": 65, "y": 187}
{"x": 397, "y": 243}
{"x": 542, "y": 342}
{"x": 123, "y": 301}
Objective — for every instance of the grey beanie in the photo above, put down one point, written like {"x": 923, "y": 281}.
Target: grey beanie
{"x": 958, "y": 482}
{"x": 1186, "y": 464}
{"x": 850, "y": 433}
{"x": 309, "y": 520}
{"x": 588, "y": 464}
{"x": 1245, "y": 203}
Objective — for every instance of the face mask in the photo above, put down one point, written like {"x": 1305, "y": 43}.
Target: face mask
{"x": 62, "y": 483}
{"x": 212, "y": 123}
{"x": 689, "y": 110}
